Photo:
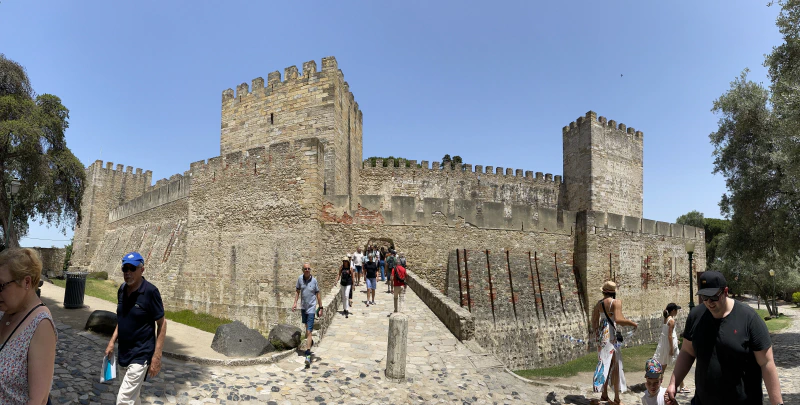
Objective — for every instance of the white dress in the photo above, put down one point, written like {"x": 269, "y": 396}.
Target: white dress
{"x": 662, "y": 350}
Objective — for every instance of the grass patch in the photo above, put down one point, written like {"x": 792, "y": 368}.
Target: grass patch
{"x": 107, "y": 290}
{"x": 103, "y": 289}
{"x": 775, "y": 324}
{"x": 206, "y": 322}
{"x": 633, "y": 358}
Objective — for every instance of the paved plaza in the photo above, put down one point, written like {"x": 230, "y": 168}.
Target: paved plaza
{"x": 348, "y": 369}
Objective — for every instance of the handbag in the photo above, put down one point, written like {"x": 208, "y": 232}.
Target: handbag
{"x": 618, "y": 334}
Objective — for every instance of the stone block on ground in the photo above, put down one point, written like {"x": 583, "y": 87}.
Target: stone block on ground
{"x": 102, "y": 322}
{"x": 237, "y": 340}
{"x": 285, "y": 336}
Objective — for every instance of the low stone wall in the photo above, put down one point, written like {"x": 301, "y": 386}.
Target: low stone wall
{"x": 52, "y": 260}
{"x": 330, "y": 307}
{"x": 457, "y": 319}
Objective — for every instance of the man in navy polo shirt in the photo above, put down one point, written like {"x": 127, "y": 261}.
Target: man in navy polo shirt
{"x": 139, "y": 310}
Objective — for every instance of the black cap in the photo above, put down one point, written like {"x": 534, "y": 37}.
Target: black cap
{"x": 710, "y": 283}
{"x": 672, "y": 306}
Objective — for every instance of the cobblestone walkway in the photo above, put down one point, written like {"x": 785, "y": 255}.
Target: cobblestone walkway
{"x": 348, "y": 369}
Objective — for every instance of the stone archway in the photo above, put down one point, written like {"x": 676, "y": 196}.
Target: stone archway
{"x": 380, "y": 242}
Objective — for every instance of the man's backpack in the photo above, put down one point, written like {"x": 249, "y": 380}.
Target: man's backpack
{"x": 400, "y": 271}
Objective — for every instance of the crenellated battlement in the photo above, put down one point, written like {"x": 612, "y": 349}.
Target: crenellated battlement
{"x": 466, "y": 169}
{"x": 592, "y": 118}
{"x": 256, "y": 161}
{"x": 291, "y": 76}
{"x": 109, "y": 167}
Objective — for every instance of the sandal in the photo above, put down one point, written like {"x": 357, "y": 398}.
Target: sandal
{"x": 684, "y": 390}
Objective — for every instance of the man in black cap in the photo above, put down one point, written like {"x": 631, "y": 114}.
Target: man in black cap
{"x": 732, "y": 347}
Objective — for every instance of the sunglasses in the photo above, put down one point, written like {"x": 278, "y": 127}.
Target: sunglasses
{"x": 126, "y": 269}
{"x": 2, "y": 286}
{"x": 306, "y": 268}
{"x": 712, "y": 298}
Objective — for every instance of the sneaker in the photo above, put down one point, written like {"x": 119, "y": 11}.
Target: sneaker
{"x": 308, "y": 361}
{"x": 373, "y": 303}
{"x": 367, "y": 303}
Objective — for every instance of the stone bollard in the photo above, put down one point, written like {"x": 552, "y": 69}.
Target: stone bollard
{"x": 396, "y": 351}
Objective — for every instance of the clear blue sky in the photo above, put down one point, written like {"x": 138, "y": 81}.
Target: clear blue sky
{"x": 493, "y": 82}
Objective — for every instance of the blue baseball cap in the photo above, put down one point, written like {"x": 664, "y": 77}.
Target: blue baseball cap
{"x": 133, "y": 258}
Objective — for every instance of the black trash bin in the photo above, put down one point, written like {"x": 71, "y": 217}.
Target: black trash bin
{"x": 76, "y": 286}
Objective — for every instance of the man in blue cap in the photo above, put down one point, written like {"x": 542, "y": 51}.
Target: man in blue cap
{"x": 139, "y": 310}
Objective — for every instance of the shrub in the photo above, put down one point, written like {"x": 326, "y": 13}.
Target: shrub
{"x": 98, "y": 275}
{"x": 796, "y": 298}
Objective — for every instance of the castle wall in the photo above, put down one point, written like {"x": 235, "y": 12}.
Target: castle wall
{"x": 312, "y": 104}
{"x": 235, "y": 246}
{"x": 527, "y": 304}
{"x": 487, "y": 184}
{"x": 427, "y": 246}
{"x": 106, "y": 188}
{"x": 603, "y": 166}
{"x": 647, "y": 259}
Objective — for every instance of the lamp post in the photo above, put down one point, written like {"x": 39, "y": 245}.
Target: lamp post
{"x": 13, "y": 188}
{"x": 774, "y": 307}
{"x": 690, "y": 251}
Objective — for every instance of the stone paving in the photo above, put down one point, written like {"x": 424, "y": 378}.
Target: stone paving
{"x": 348, "y": 369}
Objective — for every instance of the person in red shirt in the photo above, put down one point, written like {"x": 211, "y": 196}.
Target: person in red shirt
{"x": 399, "y": 282}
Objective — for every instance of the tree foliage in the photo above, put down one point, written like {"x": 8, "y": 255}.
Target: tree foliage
{"x": 691, "y": 218}
{"x": 373, "y": 161}
{"x": 453, "y": 162}
{"x": 757, "y": 149}
{"x": 33, "y": 148}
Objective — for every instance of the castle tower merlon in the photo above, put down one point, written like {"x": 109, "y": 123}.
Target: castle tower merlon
{"x": 329, "y": 64}
{"x": 273, "y": 78}
{"x": 290, "y": 73}
{"x": 310, "y": 68}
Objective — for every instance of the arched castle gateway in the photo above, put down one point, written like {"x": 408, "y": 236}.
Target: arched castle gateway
{"x": 525, "y": 253}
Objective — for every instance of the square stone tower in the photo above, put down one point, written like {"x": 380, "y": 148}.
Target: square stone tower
{"x": 315, "y": 104}
{"x": 603, "y": 166}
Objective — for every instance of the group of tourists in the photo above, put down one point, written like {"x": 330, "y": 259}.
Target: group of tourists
{"x": 390, "y": 265}
{"x": 28, "y": 333}
{"x": 374, "y": 261}
{"x": 728, "y": 339}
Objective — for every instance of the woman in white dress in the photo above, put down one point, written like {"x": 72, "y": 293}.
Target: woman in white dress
{"x": 667, "y": 349}
{"x": 606, "y": 318}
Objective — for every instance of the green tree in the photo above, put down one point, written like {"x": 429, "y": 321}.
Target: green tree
{"x": 453, "y": 162}
{"x": 692, "y": 218}
{"x": 715, "y": 230}
{"x": 373, "y": 161}
{"x": 33, "y": 148}
{"x": 757, "y": 149}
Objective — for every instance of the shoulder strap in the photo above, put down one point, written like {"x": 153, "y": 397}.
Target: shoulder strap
{"x": 41, "y": 304}
{"x": 606, "y": 313}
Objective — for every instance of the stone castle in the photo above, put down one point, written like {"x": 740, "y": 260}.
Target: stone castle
{"x": 525, "y": 253}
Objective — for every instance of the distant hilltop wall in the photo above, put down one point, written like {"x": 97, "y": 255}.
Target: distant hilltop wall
{"x": 489, "y": 184}
{"x": 311, "y": 103}
{"x": 402, "y": 210}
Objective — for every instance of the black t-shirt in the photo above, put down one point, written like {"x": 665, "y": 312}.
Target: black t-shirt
{"x": 727, "y": 371}
{"x": 136, "y": 317}
{"x": 347, "y": 278}
{"x": 372, "y": 269}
